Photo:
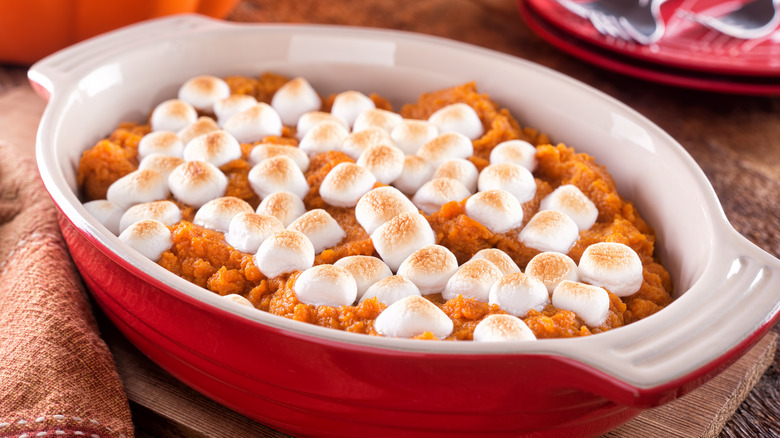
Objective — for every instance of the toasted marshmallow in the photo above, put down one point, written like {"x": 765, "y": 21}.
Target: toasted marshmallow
{"x": 402, "y": 235}
{"x": 460, "y": 118}
{"x": 162, "y": 211}
{"x": 510, "y": 177}
{"x": 501, "y": 327}
{"x": 217, "y": 147}
{"x": 518, "y": 293}
{"x": 197, "y": 182}
{"x": 376, "y": 118}
{"x": 410, "y": 134}
{"x": 613, "y": 266}
{"x": 415, "y": 173}
{"x": 284, "y": 252}
{"x": 569, "y": 199}
{"x": 552, "y": 268}
{"x": 137, "y": 187}
{"x": 254, "y": 123}
{"x": 384, "y": 161}
{"x": 160, "y": 142}
{"x": 473, "y": 279}
{"x": 217, "y": 213}
{"x": 430, "y": 267}
{"x": 161, "y": 163}
{"x": 172, "y": 115}
{"x": 284, "y": 206}
{"x": 149, "y": 237}
{"x": 515, "y": 151}
{"x": 320, "y": 227}
{"x": 226, "y": 108}
{"x": 203, "y": 125}
{"x": 294, "y": 99}
{"x": 348, "y": 105}
{"x": 357, "y": 142}
{"x": 412, "y": 316}
{"x": 366, "y": 270}
{"x": 437, "y": 192}
{"x": 380, "y": 205}
{"x": 460, "y": 169}
{"x": 106, "y": 212}
{"x": 323, "y": 137}
{"x": 497, "y": 210}
{"x": 312, "y": 118}
{"x": 278, "y": 174}
{"x": 248, "y": 230}
{"x": 345, "y": 184}
{"x": 590, "y": 303}
{"x": 266, "y": 150}
{"x": 326, "y": 285}
{"x": 503, "y": 262}
{"x": 391, "y": 289}
{"x": 550, "y": 230}
{"x": 202, "y": 92}
{"x": 238, "y": 299}
{"x": 446, "y": 147}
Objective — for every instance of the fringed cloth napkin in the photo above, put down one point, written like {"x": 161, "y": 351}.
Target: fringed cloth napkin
{"x": 57, "y": 377}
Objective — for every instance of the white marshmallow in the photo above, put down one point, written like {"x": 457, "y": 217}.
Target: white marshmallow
{"x": 437, "y": 192}
{"x": 412, "y": 316}
{"x": 366, "y": 270}
{"x": 501, "y": 327}
{"x": 415, "y": 173}
{"x": 551, "y": 268}
{"x": 161, "y": 163}
{"x": 149, "y": 237}
{"x": 380, "y": 205}
{"x": 197, "y": 182}
{"x": 162, "y": 211}
{"x": 323, "y": 137}
{"x": 460, "y": 169}
{"x": 326, "y": 285}
{"x": 347, "y": 105}
{"x": 613, "y": 266}
{"x": 320, "y": 227}
{"x": 460, "y": 118}
{"x": 203, "y": 125}
{"x": 503, "y": 262}
{"x": 384, "y": 161}
{"x": 294, "y": 99}
{"x": 376, "y": 118}
{"x": 446, "y": 147}
{"x": 278, "y": 174}
{"x": 391, "y": 289}
{"x": 217, "y": 213}
{"x": 226, "y": 108}
{"x": 345, "y": 184}
{"x": 473, "y": 279}
{"x": 569, "y": 199}
{"x": 410, "y": 134}
{"x": 357, "y": 142}
{"x": 312, "y": 118}
{"x": 550, "y": 230}
{"x": 160, "y": 142}
{"x": 267, "y": 150}
{"x": 518, "y": 293}
{"x": 248, "y": 230}
{"x": 217, "y": 147}
{"x": 510, "y": 177}
{"x": 254, "y": 123}
{"x": 284, "y": 206}
{"x": 284, "y": 252}
{"x": 238, "y": 299}
{"x": 590, "y": 303}
{"x": 497, "y": 210}
{"x": 402, "y": 235}
{"x": 202, "y": 92}
{"x": 137, "y": 187}
{"x": 430, "y": 267}
{"x": 106, "y": 212}
{"x": 515, "y": 151}
{"x": 172, "y": 115}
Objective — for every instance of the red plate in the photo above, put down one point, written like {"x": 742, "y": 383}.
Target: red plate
{"x": 685, "y": 44}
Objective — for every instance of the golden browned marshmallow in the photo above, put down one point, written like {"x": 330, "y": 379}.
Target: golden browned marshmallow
{"x": 430, "y": 267}
{"x": 278, "y": 174}
{"x": 312, "y": 118}
{"x": 416, "y": 172}
{"x": 202, "y": 92}
{"x": 590, "y": 303}
{"x": 612, "y": 265}
{"x": 254, "y": 123}
{"x": 551, "y": 268}
{"x": 203, "y": 125}
{"x": 473, "y": 279}
{"x": 284, "y": 206}
{"x": 410, "y": 134}
{"x": 137, "y": 187}
{"x": 226, "y": 108}
{"x": 366, "y": 270}
{"x": 172, "y": 115}
{"x": 248, "y": 230}
{"x": 357, "y": 142}
{"x": 391, "y": 289}
{"x": 376, "y": 118}
{"x": 323, "y": 137}
{"x": 503, "y": 262}
{"x": 284, "y": 252}
{"x": 294, "y": 99}
{"x": 437, "y": 192}
{"x": 320, "y": 227}
{"x": 267, "y": 150}
{"x": 460, "y": 169}
{"x": 163, "y": 211}
{"x": 502, "y": 328}
{"x": 384, "y": 161}
{"x": 217, "y": 213}
{"x": 197, "y": 182}
{"x": 550, "y": 230}
{"x": 160, "y": 142}
{"x": 446, "y": 147}
{"x": 514, "y": 151}
{"x": 412, "y": 316}
{"x": 380, "y": 205}
{"x": 345, "y": 184}
{"x": 460, "y": 118}
{"x": 161, "y": 163}
{"x": 510, "y": 177}
{"x": 238, "y": 299}
{"x": 402, "y": 235}
{"x": 326, "y": 285}
{"x": 216, "y": 147}
{"x": 518, "y": 293}
{"x": 348, "y": 105}
{"x": 569, "y": 199}
{"x": 497, "y": 210}
{"x": 107, "y": 213}
{"x": 149, "y": 237}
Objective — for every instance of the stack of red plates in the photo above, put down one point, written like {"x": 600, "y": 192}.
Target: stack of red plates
{"x": 688, "y": 54}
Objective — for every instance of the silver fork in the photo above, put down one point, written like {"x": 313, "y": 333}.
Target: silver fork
{"x": 755, "y": 19}
{"x": 634, "y": 21}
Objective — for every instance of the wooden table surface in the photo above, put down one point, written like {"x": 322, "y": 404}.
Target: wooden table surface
{"x": 735, "y": 139}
